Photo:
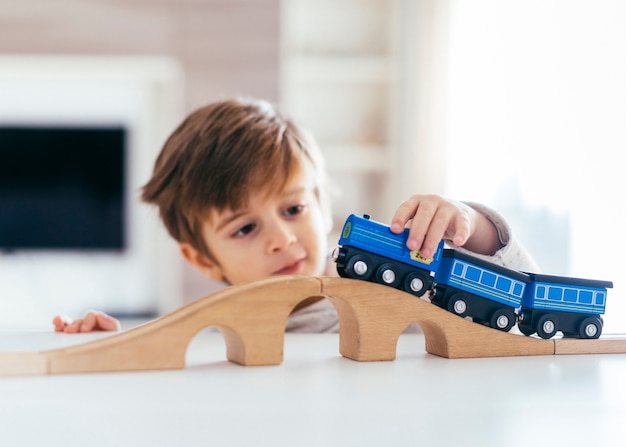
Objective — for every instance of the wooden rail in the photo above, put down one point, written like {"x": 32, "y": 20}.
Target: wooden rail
{"x": 252, "y": 318}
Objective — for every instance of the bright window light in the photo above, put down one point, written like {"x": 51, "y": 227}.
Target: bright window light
{"x": 536, "y": 127}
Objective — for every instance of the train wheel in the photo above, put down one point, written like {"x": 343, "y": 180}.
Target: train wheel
{"x": 386, "y": 274}
{"x": 547, "y": 326}
{"x": 525, "y": 329}
{"x": 591, "y": 327}
{"x": 503, "y": 320}
{"x": 342, "y": 272}
{"x": 414, "y": 283}
{"x": 358, "y": 267}
{"x": 457, "y": 304}
{"x": 437, "y": 296}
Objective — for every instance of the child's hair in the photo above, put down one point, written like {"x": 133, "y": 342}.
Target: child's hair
{"x": 221, "y": 153}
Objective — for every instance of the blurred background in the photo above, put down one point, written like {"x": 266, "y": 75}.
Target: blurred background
{"x": 520, "y": 105}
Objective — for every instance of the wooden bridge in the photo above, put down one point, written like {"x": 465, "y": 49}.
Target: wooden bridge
{"x": 252, "y": 318}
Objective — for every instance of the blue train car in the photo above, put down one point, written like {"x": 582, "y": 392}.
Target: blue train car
{"x": 573, "y": 306}
{"x": 469, "y": 286}
{"x": 370, "y": 251}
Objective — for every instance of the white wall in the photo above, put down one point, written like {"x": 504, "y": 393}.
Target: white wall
{"x": 143, "y": 94}
{"x": 225, "y": 48}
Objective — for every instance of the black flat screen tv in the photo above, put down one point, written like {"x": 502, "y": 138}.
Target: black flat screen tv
{"x": 62, "y": 188}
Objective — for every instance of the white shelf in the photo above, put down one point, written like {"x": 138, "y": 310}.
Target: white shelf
{"x": 338, "y": 68}
{"x": 340, "y": 65}
{"x": 144, "y": 95}
{"x": 356, "y": 158}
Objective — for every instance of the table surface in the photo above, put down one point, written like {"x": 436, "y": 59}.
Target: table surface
{"x": 317, "y": 397}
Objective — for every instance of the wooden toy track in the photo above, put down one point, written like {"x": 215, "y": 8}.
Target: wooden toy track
{"x": 252, "y": 318}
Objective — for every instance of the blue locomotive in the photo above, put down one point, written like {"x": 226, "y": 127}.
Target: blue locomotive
{"x": 469, "y": 286}
{"x": 371, "y": 251}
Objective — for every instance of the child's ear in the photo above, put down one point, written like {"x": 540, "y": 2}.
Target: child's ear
{"x": 201, "y": 262}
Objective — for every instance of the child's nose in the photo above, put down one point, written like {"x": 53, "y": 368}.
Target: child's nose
{"x": 281, "y": 237}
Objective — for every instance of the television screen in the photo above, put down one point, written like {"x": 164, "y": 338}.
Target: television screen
{"x": 62, "y": 188}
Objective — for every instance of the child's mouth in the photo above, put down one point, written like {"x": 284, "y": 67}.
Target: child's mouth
{"x": 291, "y": 269}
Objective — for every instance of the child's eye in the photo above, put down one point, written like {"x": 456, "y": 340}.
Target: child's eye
{"x": 294, "y": 210}
{"x": 246, "y": 229}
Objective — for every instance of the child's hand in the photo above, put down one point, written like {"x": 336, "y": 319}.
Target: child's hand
{"x": 431, "y": 218}
{"x": 92, "y": 321}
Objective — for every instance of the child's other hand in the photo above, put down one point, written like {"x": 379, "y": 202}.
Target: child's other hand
{"x": 431, "y": 218}
{"x": 92, "y": 321}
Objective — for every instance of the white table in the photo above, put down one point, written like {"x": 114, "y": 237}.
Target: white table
{"x": 318, "y": 398}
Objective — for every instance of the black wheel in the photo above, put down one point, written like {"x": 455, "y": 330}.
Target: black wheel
{"x": 342, "y": 272}
{"x": 387, "y": 274}
{"x": 358, "y": 267}
{"x": 547, "y": 326}
{"x": 339, "y": 256}
{"x": 502, "y": 319}
{"x": 416, "y": 283}
{"x": 458, "y": 304}
{"x": 526, "y": 329}
{"x": 437, "y": 295}
{"x": 591, "y": 327}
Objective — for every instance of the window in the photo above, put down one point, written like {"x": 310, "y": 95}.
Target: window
{"x": 600, "y": 298}
{"x": 458, "y": 269}
{"x": 585, "y": 297}
{"x": 555, "y": 293}
{"x": 473, "y": 274}
{"x": 570, "y": 295}
{"x": 504, "y": 284}
{"x": 535, "y": 111}
{"x": 541, "y": 292}
{"x": 488, "y": 279}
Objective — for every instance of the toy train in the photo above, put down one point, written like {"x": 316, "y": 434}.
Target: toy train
{"x": 469, "y": 286}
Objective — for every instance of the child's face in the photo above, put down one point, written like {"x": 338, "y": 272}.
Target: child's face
{"x": 281, "y": 234}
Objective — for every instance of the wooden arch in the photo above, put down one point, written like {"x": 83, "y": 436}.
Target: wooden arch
{"x": 252, "y": 318}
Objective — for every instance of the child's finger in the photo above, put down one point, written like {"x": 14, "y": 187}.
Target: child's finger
{"x": 423, "y": 228}
{"x": 107, "y": 323}
{"x": 73, "y": 327}
{"x": 461, "y": 230}
{"x": 60, "y": 322}
{"x": 439, "y": 225}
{"x": 404, "y": 214}
{"x": 89, "y": 322}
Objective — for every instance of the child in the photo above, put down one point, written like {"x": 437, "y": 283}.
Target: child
{"x": 244, "y": 192}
